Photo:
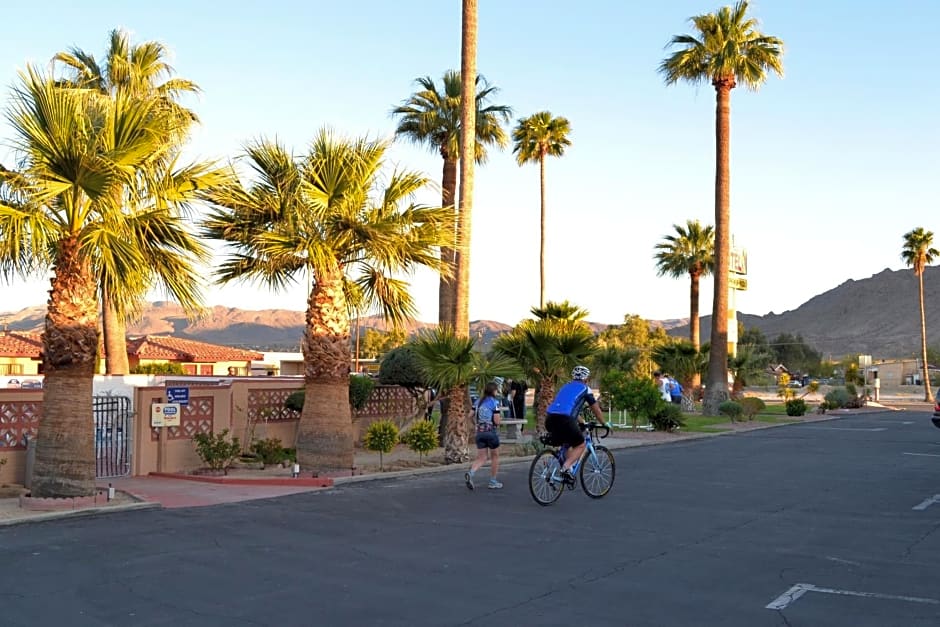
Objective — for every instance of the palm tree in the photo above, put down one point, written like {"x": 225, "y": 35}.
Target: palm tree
{"x": 559, "y": 311}
{"x": 136, "y": 71}
{"x": 728, "y": 49}
{"x": 451, "y": 364}
{"x": 538, "y": 136}
{"x": 547, "y": 350}
{"x": 335, "y": 216}
{"x": 431, "y": 117}
{"x": 78, "y": 151}
{"x": 918, "y": 253}
{"x": 690, "y": 251}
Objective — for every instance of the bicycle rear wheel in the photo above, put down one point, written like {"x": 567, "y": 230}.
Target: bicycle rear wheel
{"x": 597, "y": 476}
{"x": 544, "y": 478}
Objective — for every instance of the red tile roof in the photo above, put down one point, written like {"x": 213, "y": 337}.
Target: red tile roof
{"x": 20, "y": 344}
{"x": 177, "y": 349}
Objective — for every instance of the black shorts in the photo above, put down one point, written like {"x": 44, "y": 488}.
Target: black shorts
{"x": 564, "y": 429}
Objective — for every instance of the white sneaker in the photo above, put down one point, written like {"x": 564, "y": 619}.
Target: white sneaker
{"x": 494, "y": 485}
{"x": 468, "y": 478}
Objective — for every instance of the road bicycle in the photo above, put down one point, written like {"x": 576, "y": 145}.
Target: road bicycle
{"x": 596, "y": 468}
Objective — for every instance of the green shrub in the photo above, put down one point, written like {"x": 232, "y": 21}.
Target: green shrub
{"x": 168, "y": 367}
{"x": 851, "y": 389}
{"x": 667, "y": 417}
{"x": 382, "y": 436}
{"x": 731, "y": 409}
{"x": 421, "y": 438}
{"x": 837, "y": 398}
{"x": 360, "y": 390}
{"x": 215, "y": 450}
{"x": 796, "y": 407}
{"x": 751, "y": 406}
{"x": 270, "y": 450}
{"x": 402, "y": 366}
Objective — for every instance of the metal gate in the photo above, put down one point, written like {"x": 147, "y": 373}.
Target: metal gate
{"x": 112, "y": 436}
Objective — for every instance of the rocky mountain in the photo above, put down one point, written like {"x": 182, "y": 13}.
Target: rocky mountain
{"x": 877, "y": 316}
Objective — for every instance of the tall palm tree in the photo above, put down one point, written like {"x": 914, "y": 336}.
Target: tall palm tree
{"x": 77, "y": 152}
{"x": 559, "y": 311}
{"x": 135, "y": 71}
{"x": 468, "y": 111}
{"x": 335, "y": 216}
{"x": 690, "y": 251}
{"x": 728, "y": 49}
{"x": 918, "y": 253}
{"x": 538, "y": 136}
{"x": 547, "y": 350}
{"x": 451, "y": 364}
{"x": 431, "y": 117}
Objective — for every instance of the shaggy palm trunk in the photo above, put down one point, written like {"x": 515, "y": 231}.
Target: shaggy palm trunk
{"x": 542, "y": 231}
{"x": 544, "y": 395}
{"x": 115, "y": 334}
{"x": 694, "y": 332}
{"x": 468, "y": 69}
{"x": 324, "y": 434}
{"x": 446, "y": 298}
{"x": 717, "y": 387}
{"x": 65, "y": 447}
{"x": 928, "y": 394}
{"x": 458, "y": 430}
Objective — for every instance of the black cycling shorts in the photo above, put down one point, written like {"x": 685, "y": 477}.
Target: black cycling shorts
{"x": 564, "y": 429}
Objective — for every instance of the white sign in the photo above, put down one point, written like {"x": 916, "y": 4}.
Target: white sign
{"x": 165, "y": 415}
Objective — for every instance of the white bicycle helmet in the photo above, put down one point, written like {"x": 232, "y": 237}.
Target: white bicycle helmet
{"x": 580, "y": 373}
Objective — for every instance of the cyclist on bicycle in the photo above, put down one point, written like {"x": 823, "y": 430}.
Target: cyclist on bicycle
{"x": 564, "y": 416}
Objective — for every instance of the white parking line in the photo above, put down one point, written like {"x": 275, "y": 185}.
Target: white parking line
{"x": 800, "y": 589}
{"x": 922, "y": 454}
{"x": 927, "y": 503}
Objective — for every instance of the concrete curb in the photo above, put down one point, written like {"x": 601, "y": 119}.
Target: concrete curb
{"x": 76, "y": 513}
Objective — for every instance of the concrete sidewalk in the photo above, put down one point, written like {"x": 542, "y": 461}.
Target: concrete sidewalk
{"x": 166, "y": 492}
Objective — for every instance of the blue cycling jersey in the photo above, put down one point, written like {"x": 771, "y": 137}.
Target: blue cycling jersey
{"x": 571, "y": 398}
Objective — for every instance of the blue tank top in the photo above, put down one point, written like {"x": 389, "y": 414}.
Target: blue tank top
{"x": 571, "y": 398}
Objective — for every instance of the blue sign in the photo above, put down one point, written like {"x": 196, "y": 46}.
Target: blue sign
{"x": 177, "y": 395}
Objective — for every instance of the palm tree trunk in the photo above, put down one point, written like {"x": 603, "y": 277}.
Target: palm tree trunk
{"x": 543, "y": 398}
{"x": 694, "y": 333}
{"x": 928, "y": 395}
{"x": 446, "y": 298}
{"x": 65, "y": 447}
{"x": 717, "y": 390}
{"x": 542, "y": 232}
{"x": 324, "y": 434}
{"x": 458, "y": 430}
{"x": 115, "y": 340}
{"x": 468, "y": 69}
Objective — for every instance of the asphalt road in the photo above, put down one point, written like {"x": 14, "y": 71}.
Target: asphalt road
{"x": 833, "y": 523}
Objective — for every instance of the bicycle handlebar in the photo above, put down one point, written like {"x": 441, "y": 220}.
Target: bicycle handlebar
{"x": 596, "y": 427}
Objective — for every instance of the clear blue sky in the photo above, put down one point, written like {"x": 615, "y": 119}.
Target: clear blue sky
{"x": 830, "y": 165}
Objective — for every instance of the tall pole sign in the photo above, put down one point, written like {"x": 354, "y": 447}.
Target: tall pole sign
{"x": 737, "y": 282}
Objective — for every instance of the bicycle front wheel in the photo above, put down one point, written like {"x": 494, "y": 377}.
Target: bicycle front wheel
{"x": 597, "y": 472}
{"x": 545, "y": 478}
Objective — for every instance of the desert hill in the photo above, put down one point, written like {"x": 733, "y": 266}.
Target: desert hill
{"x": 877, "y": 316}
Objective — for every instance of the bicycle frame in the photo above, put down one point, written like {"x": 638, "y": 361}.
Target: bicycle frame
{"x": 562, "y": 452}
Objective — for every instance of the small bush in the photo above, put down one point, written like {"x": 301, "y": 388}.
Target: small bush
{"x": 360, "y": 390}
{"x": 271, "y": 451}
{"x": 837, "y": 398}
{"x": 382, "y": 436}
{"x": 851, "y": 389}
{"x": 215, "y": 450}
{"x": 667, "y": 417}
{"x": 170, "y": 367}
{"x": 295, "y": 402}
{"x": 796, "y": 407}
{"x": 731, "y": 409}
{"x": 751, "y": 406}
{"x": 421, "y": 438}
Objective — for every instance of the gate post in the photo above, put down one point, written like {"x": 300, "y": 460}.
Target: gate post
{"x": 30, "y": 461}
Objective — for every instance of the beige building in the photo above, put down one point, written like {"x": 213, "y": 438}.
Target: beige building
{"x": 20, "y": 353}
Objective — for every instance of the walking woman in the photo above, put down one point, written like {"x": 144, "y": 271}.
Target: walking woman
{"x": 486, "y": 414}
